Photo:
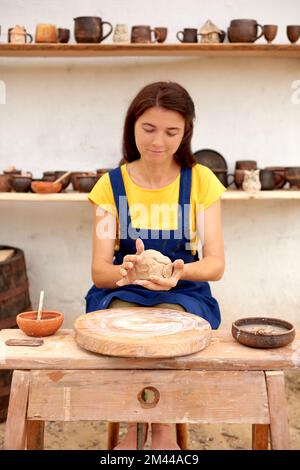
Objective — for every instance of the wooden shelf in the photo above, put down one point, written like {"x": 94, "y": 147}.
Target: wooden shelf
{"x": 229, "y": 195}
{"x": 110, "y": 50}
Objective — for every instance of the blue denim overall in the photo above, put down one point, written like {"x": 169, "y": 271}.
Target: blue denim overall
{"x": 194, "y": 297}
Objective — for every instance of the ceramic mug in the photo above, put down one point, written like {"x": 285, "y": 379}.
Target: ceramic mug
{"x": 142, "y": 34}
{"x": 187, "y": 35}
{"x": 45, "y": 33}
{"x": 18, "y": 36}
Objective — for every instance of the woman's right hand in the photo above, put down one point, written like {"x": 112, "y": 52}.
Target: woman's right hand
{"x": 127, "y": 268}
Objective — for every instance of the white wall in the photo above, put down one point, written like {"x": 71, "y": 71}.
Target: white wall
{"x": 68, "y": 114}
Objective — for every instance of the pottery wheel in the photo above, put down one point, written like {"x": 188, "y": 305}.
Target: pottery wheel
{"x": 142, "y": 332}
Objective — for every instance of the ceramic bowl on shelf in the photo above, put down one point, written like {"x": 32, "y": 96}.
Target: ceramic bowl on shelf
{"x": 86, "y": 183}
{"x": 46, "y": 187}
{"x": 50, "y": 322}
{"x": 21, "y": 183}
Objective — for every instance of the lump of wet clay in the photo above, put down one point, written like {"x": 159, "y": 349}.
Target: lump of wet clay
{"x": 153, "y": 263}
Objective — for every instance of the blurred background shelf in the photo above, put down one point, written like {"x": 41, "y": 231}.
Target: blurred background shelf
{"x": 229, "y": 195}
{"x": 110, "y": 50}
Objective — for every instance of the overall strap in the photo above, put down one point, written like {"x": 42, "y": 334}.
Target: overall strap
{"x": 184, "y": 203}
{"x": 119, "y": 192}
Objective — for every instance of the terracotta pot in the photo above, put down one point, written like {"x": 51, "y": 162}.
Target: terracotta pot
{"x": 45, "y": 187}
{"x": 51, "y": 321}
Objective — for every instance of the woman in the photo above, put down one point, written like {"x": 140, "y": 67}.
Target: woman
{"x": 174, "y": 204}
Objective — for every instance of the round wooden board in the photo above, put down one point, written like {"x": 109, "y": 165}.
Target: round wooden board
{"x": 142, "y": 332}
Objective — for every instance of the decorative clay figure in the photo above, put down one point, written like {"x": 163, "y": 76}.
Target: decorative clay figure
{"x": 210, "y": 33}
{"x": 251, "y": 181}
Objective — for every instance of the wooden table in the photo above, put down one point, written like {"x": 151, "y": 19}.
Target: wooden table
{"x": 224, "y": 383}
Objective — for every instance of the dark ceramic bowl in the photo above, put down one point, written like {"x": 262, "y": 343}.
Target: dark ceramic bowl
{"x": 261, "y": 332}
{"x": 21, "y": 184}
{"x": 86, "y": 183}
{"x": 66, "y": 181}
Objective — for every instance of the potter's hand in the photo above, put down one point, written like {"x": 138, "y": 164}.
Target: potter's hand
{"x": 162, "y": 283}
{"x": 127, "y": 268}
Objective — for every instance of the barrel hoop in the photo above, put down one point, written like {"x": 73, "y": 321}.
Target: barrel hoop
{"x": 14, "y": 292}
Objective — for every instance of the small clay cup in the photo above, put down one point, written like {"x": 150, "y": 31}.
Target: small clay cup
{"x": 63, "y": 35}
{"x": 293, "y": 33}
{"x": 267, "y": 179}
{"x": 50, "y": 322}
{"x": 270, "y": 31}
{"x": 161, "y": 33}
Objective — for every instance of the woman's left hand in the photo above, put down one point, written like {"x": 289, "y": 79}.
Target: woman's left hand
{"x": 163, "y": 283}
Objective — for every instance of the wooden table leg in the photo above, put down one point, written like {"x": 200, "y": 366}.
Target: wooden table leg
{"x": 182, "y": 435}
{"x": 112, "y": 435}
{"x": 260, "y": 436}
{"x": 139, "y": 436}
{"x": 35, "y": 435}
{"x": 15, "y": 430}
{"x": 279, "y": 429}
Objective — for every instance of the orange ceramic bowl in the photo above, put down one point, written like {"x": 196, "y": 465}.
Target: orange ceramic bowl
{"x": 51, "y": 321}
{"x": 46, "y": 187}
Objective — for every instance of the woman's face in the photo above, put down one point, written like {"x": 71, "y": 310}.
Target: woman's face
{"x": 158, "y": 134}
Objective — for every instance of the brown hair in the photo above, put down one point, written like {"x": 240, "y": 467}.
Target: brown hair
{"x": 168, "y": 95}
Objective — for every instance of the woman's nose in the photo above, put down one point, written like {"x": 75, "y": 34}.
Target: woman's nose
{"x": 158, "y": 138}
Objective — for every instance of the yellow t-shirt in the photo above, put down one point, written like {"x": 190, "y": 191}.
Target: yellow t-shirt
{"x": 157, "y": 209}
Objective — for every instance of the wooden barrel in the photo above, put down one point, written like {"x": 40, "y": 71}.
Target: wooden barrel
{"x": 14, "y": 298}
{"x": 14, "y": 289}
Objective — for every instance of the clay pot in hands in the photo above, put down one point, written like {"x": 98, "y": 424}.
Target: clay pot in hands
{"x": 50, "y": 322}
{"x": 153, "y": 263}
